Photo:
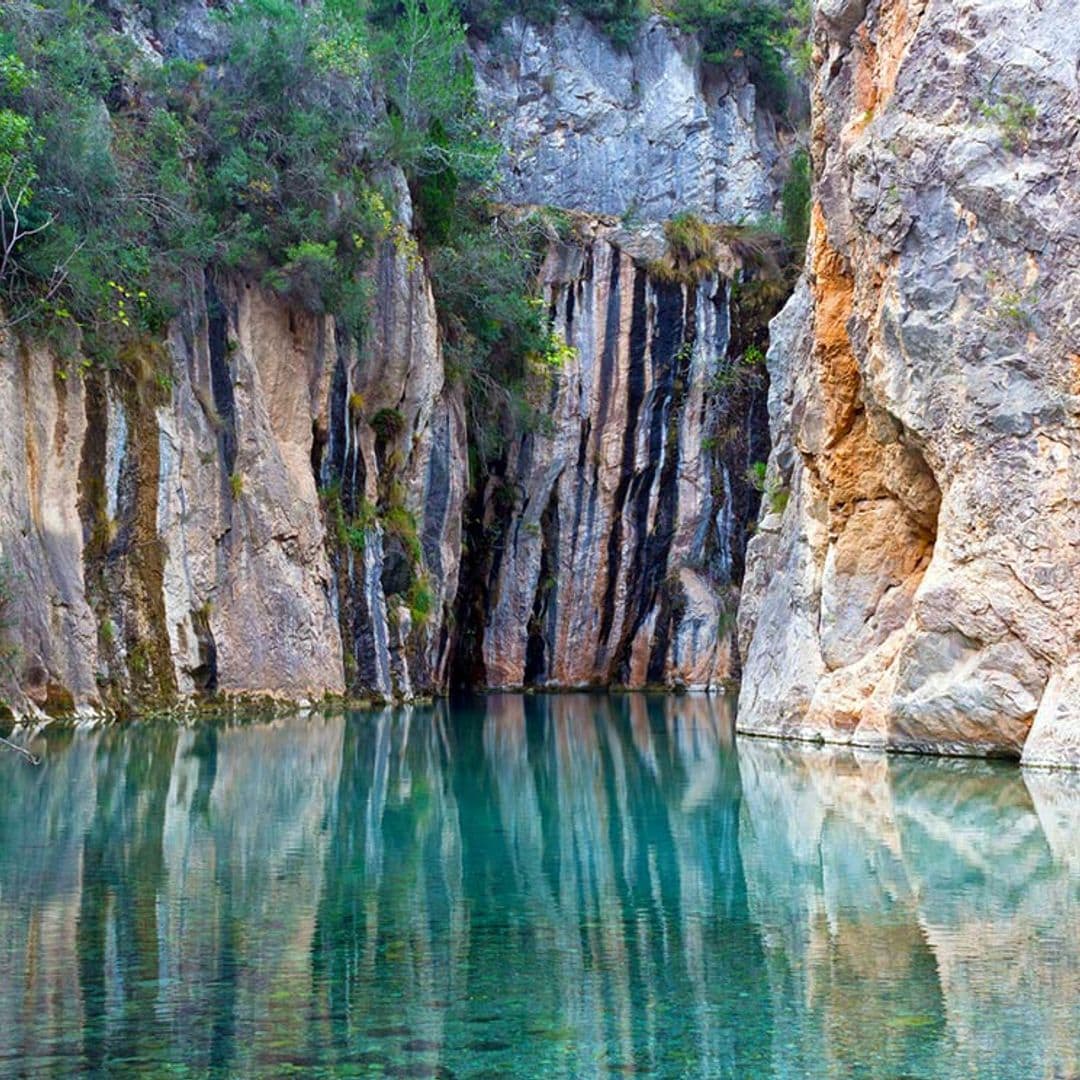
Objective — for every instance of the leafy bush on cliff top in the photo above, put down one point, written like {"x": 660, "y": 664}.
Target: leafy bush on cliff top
{"x": 618, "y": 19}
{"x": 767, "y": 34}
{"x": 143, "y": 174}
{"x": 263, "y": 162}
{"x": 122, "y": 177}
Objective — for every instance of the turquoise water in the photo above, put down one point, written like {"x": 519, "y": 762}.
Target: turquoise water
{"x": 569, "y": 886}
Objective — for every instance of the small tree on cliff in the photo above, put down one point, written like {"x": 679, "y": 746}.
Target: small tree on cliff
{"x": 433, "y": 125}
{"x": 20, "y": 216}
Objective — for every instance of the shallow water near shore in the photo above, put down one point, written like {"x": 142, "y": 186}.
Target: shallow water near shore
{"x": 564, "y": 886}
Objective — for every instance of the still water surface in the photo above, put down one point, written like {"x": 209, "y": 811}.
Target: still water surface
{"x": 569, "y": 886}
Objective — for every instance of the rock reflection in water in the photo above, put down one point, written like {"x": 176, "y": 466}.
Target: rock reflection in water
{"x": 564, "y": 886}
{"x": 920, "y": 916}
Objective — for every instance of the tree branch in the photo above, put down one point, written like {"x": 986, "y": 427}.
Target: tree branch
{"x": 9, "y": 745}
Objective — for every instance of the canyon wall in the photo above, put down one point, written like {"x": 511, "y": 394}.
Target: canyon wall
{"x": 919, "y": 588}
{"x": 255, "y": 506}
{"x": 187, "y": 524}
{"x": 647, "y": 132}
{"x": 619, "y": 563}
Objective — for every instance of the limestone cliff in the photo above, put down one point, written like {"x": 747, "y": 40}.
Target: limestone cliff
{"x": 647, "y": 132}
{"x": 255, "y": 504}
{"x": 178, "y": 527}
{"x": 619, "y": 559}
{"x": 920, "y": 590}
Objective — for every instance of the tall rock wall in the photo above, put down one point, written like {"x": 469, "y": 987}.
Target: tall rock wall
{"x": 920, "y": 590}
{"x": 246, "y": 508}
{"x": 253, "y": 506}
{"x": 619, "y": 561}
{"x": 646, "y": 132}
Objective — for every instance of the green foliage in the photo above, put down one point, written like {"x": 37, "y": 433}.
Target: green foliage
{"x": 692, "y": 249}
{"x": 778, "y": 498}
{"x": 236, "y": 485}
{"x": 145, "y": 174}
{"x": 284, "y": 186}
{"x": 432, "y": 125}
{"x": 795, "y": 201}
{"x": 618, "y": 19}
{"x": 1016, "y": 309}
{"x": 755, "y": 475}
{"x": 696, "y": 247}
{"x": 763, "y": 32}
{"x": 16, "y": 141}
{"x": 433, "y": 128}
{"x": 388, "y": 424}
{"x": 1014, "y": 117}
{"x": 496, "y": 332}
{"x": 354, "y": 533}
{"x": 401, "y": 523}
{"x": 421, "y": 600}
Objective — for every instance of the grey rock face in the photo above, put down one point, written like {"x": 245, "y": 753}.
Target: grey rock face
{"x": 616, "y": 565}
{"x": 396, "y": 442}
{"x": 264, "y": 509}
{"x": 643, "y": 132}
{"x": 921, "y": 590}
{"x": 166, "y": 532}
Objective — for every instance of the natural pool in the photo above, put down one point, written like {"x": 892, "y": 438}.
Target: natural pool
{"x": 565, "y": 886}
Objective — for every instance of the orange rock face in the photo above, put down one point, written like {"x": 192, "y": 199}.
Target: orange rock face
{"x": 922, "y": 587}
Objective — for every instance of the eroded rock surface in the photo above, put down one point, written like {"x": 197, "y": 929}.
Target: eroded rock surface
{"x": 922, "y": 588}
{"x": 618, "y": 562}
{"x": 646, "y": 132}
{"x": 247, "y": 508}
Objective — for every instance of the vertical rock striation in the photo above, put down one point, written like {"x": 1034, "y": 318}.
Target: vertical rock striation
{"x": 221, "y": 516}
{"x": 618, "y": 562}
{"x": 396, "y": 461}
{"x": 920, "y": 591}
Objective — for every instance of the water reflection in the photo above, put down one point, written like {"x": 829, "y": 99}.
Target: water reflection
{"x": 919, "y": 918}
{"x": 559, "y": 886}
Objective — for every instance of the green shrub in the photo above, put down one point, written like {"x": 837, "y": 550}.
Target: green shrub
{"x": 144, "y": 174}
{"x": 1014, "y": 116}
{"x": 421, "y": 600}
{"x": 691, "y": 249}
{"x": 401, "y": 523}
{"x": 497, "y": 338}
{"x": 618, "y": 19}
{"x": 388, "y": 424}
{"x": 795, "y": 201}
{"x": 755, "y": 475}
{"x": 763, "y": 32}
